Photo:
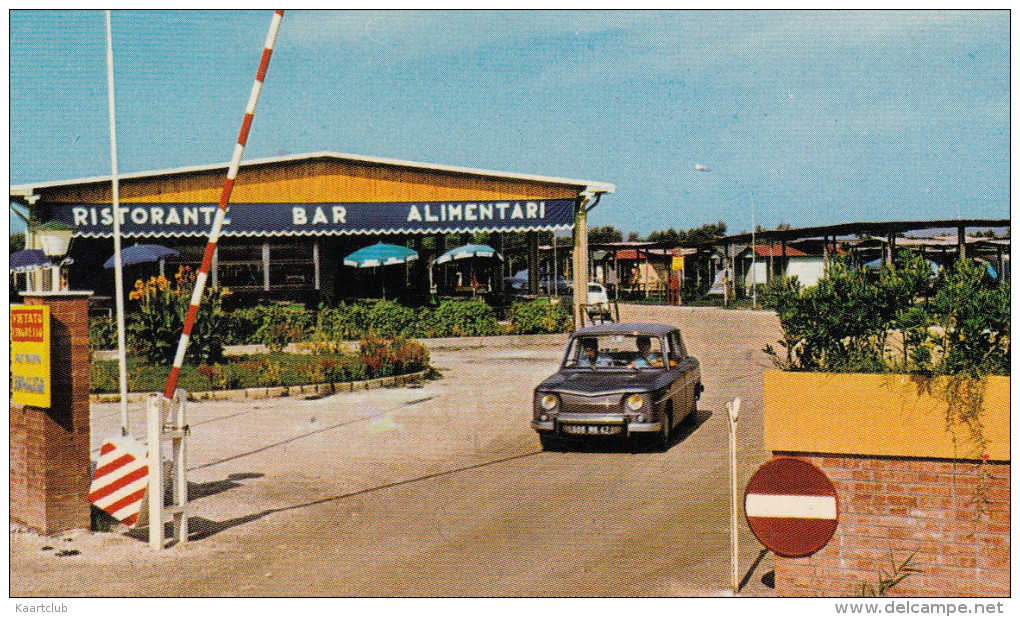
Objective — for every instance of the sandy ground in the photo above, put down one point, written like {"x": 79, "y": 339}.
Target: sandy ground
{"x": 439, "y": 490}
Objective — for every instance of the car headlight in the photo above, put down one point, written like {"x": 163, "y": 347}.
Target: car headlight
{"x": 635, "y": 402}
{"x": 550, "y": 402}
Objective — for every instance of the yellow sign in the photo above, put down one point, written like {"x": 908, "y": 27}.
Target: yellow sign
{"x": 30, "y": 355}
{"x": 678, "y": 263}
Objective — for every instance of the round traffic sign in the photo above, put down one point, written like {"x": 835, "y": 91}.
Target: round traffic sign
{"x": 791, "y": 507}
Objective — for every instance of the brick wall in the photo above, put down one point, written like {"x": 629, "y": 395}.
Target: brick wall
{"x": 955, "y": 514}
{"x": 50, "y": 464}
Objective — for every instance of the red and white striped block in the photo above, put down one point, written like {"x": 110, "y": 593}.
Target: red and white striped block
{"x": 121, "y": 478}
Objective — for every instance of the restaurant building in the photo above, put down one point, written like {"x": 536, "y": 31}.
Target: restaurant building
{"x": 292, "y": 219}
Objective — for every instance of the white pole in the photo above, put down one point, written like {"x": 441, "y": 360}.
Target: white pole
{"x": 754, "y": 259}
{"x": 733, "y": 411}
{"x": 180, "y": 468}
{"x": 118, "y": 267}
{"x": 154, "y": 417}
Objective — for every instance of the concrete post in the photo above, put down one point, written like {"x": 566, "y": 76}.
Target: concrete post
{"x": 50, "y": 463}
{"x": 580, "y": 262}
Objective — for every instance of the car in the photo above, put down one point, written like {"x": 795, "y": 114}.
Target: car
{"x": 598, "y": 296}
{"x": 632, "y": 381}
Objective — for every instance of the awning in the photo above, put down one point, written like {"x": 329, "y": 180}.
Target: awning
{"x": 319, "y": 219}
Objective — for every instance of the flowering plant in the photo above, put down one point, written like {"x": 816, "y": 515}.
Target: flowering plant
{"x": 162, "y": 308}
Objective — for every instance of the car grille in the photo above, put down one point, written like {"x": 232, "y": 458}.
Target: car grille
{"x": 579, "y": 403}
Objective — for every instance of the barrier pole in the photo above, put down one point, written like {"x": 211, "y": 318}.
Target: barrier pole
{"x": 221, "y": 211}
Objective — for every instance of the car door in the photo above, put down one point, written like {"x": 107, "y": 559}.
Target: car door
{"x": 675, "y": 371}
{"x": 685, "y": 374}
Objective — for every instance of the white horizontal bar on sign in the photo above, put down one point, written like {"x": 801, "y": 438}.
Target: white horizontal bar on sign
{"x": 790, "y": 506}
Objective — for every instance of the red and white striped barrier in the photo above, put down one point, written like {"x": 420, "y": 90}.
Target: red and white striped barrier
{"x": 121, "y": 478}
{"x": 228, "y": 186}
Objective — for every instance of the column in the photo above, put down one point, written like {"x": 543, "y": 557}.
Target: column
{"x": 533, "y": 274}
{"x": 50, "y": 464}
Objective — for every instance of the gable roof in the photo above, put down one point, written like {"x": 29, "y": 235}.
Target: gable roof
{"x": 21, "y": 192}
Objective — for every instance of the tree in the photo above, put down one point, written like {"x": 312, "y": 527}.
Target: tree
{"x": 17, "y": 242}
{"x": 603, "y": 235}
{"x": 670, "y": 236}
{"x": 708, "y": 231}
{"x": 633, "y": 237}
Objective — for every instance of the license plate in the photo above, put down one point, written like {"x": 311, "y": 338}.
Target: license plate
{"x": 591, "y": 429}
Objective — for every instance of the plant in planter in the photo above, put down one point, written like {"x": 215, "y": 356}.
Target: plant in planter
{"x": 929, "y": 358}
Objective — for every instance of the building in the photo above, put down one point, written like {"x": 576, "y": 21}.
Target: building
{"x": 292, "y": 219}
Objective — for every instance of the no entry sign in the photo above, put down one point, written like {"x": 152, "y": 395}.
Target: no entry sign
{"x": 791, "y": 507}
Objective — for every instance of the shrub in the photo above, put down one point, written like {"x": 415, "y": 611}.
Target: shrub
{"x": 345, "y": 322}
{"x": 387, "y": 318}
{"x": 462, "y": 318}
{"x": 272, "y": 325}
{"x": 847, "y": 321}
{"x": 102, "y": 333}
{"x": 539, "y": 317}
{"x": 383, "y": 358}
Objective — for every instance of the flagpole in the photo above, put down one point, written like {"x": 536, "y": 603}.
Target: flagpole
{"x": 118, "y": 270}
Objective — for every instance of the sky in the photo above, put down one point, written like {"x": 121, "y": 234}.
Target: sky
{"x": 804, "y": 118}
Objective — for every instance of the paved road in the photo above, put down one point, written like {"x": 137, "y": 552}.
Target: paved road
{"x": 440, "y": 490}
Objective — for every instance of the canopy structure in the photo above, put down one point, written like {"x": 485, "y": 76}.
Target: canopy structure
{"x": 468, "y": 251}
{"x": 380, "y": 254}
{"x": 141, "y": 253}
{"x": 27, "y": 260}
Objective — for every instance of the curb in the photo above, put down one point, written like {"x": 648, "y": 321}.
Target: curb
{"x": 320, "y": 389}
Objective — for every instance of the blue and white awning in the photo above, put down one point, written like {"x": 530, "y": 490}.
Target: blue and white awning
{"x": 467, "y": 251}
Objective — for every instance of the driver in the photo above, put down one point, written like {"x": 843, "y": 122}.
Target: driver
{"x": 589, "y": 356}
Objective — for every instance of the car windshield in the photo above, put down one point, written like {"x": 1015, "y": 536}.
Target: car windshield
{"x": 614, "y": 351}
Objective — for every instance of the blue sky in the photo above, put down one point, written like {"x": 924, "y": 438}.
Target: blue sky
{"x": 812, "y": 117}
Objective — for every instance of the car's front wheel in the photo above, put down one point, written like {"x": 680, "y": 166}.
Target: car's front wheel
{"x": 550, "y": 442}
{"x": 665, "y": 431}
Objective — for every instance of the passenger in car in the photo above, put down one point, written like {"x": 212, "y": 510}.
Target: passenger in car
{"x": 645, "y": 357}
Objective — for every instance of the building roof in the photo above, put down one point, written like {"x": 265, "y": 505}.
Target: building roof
{"x": 22, "y": 192}
{"x": 776, "y": 250}
{"x": 875, "y": 228}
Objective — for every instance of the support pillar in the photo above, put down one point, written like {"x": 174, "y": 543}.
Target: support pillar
{"x": 580, "y": 261}
{"x": 50, "y": 470}
{"x": 533, "y": 274}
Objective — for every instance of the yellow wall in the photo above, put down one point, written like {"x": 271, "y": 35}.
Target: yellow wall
{"x": 312, "y": 181}
{"x": 882, "y": 415}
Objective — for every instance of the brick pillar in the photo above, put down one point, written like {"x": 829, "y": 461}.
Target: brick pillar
{"x": 50, "y": 463}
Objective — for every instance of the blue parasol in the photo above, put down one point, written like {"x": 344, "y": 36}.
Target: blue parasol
{"x": 27, "y": 260}
{"x": 380, "y": 254}
{"x": 467, "y": 251}
{"x": 141, "y": 253}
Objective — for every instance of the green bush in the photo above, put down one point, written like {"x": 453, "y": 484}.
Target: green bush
{"x": 102, "y": 333}
{"x": 851, "y": 321}
{"x": 272, "y": 325}
{"x": 539, "y": 317}
{"x": 387, "y": 318}
{"x": 345, "y": 322}
{"x": 461, "y": 318}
